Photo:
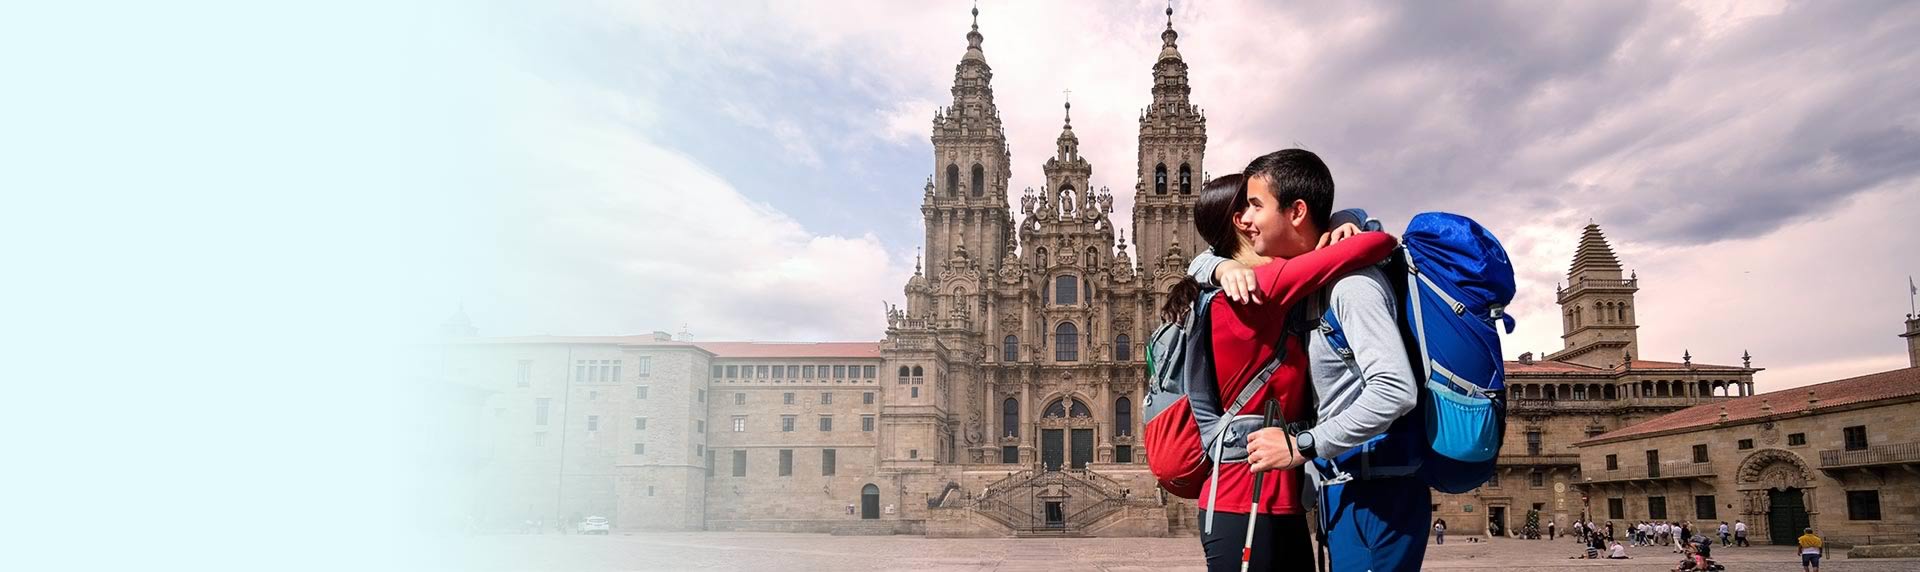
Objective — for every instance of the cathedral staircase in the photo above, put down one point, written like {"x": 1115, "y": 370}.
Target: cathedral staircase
{"x": 1050, "y": 504}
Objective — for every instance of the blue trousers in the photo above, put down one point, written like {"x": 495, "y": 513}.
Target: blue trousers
{"x": 1377, "y": 525}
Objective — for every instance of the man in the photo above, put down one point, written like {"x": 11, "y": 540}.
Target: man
{"x": 1378, "y": 521}
{"x": 1724, "y": 540}
{"x": 1811, "y": 549}
{"x": 1739, "y": 533}
{"x": 1550, "y": 530}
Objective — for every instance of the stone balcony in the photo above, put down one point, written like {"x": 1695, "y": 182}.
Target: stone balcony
{"x": 1549, "y": 460}
{"x": 1878, "y": 456}
{"x": 1664, "y": 471}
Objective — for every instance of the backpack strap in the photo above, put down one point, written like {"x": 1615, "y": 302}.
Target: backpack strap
{"x": 1414, "y": 280}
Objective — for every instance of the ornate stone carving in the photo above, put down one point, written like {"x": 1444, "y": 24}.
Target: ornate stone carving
{"x": 1774, "y": 469}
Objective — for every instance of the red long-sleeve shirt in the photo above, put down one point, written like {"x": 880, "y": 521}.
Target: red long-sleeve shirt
{"x": 1243, "y": 339}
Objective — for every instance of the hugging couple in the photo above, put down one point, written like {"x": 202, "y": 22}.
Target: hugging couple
{"x": 1278, "y": 250}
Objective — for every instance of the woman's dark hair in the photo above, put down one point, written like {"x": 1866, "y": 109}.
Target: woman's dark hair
{"x": 1220, "y": 200}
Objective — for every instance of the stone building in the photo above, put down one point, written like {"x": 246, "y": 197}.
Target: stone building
{"x": 1597, "y": 382}
{"x": 1840, "y": 457}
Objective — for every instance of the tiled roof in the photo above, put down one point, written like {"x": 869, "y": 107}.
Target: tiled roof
{"x": 1895, "y": 384}
{"x": 641, "y": 340}
{"x": 869, "y": 350}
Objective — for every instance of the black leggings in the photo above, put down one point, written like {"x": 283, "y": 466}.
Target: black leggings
{"x": 1280, "y": 542}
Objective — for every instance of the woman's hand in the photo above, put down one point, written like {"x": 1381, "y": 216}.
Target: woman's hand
{"x": 1344, "y": 232}
{"x": 1238, "y": 281}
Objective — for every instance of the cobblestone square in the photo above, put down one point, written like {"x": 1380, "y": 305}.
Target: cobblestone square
{"x": 794, "y": 552}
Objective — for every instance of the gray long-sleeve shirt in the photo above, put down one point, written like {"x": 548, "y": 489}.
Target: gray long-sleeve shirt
{"x": 1354, "y": 406}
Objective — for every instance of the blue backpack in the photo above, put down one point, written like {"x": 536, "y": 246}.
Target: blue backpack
{"x": 1457, "y": 285}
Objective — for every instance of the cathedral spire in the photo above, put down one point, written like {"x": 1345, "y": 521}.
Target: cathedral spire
{"x": 974, "y": 38}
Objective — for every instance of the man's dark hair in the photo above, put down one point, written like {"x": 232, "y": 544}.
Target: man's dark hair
{"x": 1297, "y": 175}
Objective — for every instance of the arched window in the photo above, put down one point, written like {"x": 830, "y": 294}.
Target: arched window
{"x": 1066, "y": 342}
{"x": 1067, "y": 407}
{"x": 1086, "y": 291}
{"x": 1160, "y": 179}
{"x": 979, "y": 180}
{"x": 1122, "y": 348}
{"x": 1065, "y": 290}
{"x": 1010, "y": 418}
{"x": 1123, "y": 416}
{"x": 1186, "y": 179}
{"x": 1010, "y": 349}
{"x": 1623, "y": 313}
{"x": 917, "y": 372}
{"x": 905, "y": 373}
{"x": 953, "y": 180}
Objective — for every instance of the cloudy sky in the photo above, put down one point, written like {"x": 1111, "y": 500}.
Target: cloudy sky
{"x": 753, "y": 171}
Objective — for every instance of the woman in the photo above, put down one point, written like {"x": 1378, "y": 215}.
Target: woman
{"x": 1245, "y": 337}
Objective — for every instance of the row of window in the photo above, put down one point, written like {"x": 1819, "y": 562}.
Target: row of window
{"x": 1854, "y": 439}
{"x": 795, "y": 372}
{"x": 640, "y": 424}
{"x": 1650, "y": 388}
{"x": 1861, "y": 505}
{"x": 1067, "y": 407}
{"x": 828, "y": 462}
{"x": 826, "y": 398}
{"x": 588, "y": 370}
{"x": 788, "y": 422}
{"x": 1066, "y": 345}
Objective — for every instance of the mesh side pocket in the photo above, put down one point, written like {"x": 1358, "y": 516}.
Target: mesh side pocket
{"x": 1461, "y": 428}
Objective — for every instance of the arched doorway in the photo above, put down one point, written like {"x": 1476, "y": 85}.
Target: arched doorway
{"x": 869, "y": 502}
{"x": 1777, "y": 488}
{"x": 1061, "y": 419}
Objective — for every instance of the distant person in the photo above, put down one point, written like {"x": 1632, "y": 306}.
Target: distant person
{"x": 1439, "y": 531}
{"x": 1617, "y": 552}
{"x": 1740, "y": 533}
{"x": 1811, "y": 549}
{"x": 1725, "y": 535}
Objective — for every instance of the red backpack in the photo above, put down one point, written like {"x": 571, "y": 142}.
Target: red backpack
{"x": 1187, "y": 432}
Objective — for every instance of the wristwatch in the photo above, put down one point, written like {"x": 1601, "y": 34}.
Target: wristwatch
{"x": 1304, "y": 442}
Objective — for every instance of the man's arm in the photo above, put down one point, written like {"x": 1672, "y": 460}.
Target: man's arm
{"x": 1289, "y": 281}
{"x": 1206, "y": 263}
{"x": 1365, "y": 309}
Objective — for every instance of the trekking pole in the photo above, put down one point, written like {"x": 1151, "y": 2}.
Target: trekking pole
{"x": 1246, "y": 552}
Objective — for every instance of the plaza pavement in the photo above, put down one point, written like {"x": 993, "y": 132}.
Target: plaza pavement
{"x": 803, "y": 552}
